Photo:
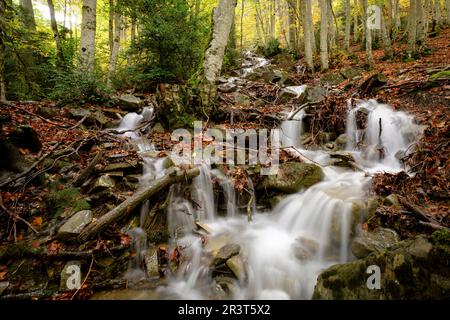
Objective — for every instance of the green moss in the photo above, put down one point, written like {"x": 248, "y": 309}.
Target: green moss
{"x": 440, "y": 75}
{"x": 57, "y": 202}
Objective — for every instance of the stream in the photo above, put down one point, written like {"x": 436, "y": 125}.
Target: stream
{"x": 280, "y": 252}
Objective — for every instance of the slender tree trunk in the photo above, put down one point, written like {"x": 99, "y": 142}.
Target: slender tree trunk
{"x": 447, "y": 8}
{"x": 242, "y": 26}
{"x": 222, "y": 22}
{"x": 291, "y": 24}
{"x": 363, "y": 8}
{"x": 420, "y": 23}
{"x": 386, "y": 39}
{"x": 28, "y": 20}
{"x": 197, "y": 7}
{"x": 348, "y": 18}
{"x": 2, "y": 50}
{"x": 88, "y": 28}
{"x": 116, "y": 46}
{"x": 307, "y": 25}
{"x": 412, "y": 25}
{"x": 437, "y": 12}
{"x": 272, "y": 18}
{"x": 324, "y": 34}
{"x": 111, "y": 27}
{"x": 368, "y": 36}
{"x": 331, "y": 26}
{"x": 355, "y": 21}
{"x": 59, "y": 49}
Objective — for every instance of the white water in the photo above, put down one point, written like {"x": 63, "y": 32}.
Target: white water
{"x": 284, "y": 250}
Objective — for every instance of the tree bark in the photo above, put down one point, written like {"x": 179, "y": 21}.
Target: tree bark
{"x": 386, "y": 39}
{"x": 222, "y": 22}
{"x": 88, "y": 28}
{"x": 126, "y": 207}
{"x": 307, "y": 25}
{"x": 348, "y": 18}
{"x": 447, "y": 7}
{"x": 116, "y": 46}
{"x": 331, "y": 26}
{"x": 29, "y": 20}
{"x": 291, "y": 24}
{"x": 324, "y": 34}
{"x": 111, "y": 27}
{"x": 54, "y": 25}
{"x": 355, "y": 21}
{"x": 437, "y": 12}
{"x": 368, "y": 36}
{"x": 412, "y": 25}
{"x": 421, "y": 23}
{"x": 2, "y": 50}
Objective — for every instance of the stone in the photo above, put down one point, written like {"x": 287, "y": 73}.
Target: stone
{"x": 47, "y": 112}
{"x": 227, "y": 87}
{"x": 130, "y": 103}
{"x": 420, "y": 248}
{"x": 392, "y": 200}
{"x": 76, "y": 223}
{"x": 376, "y": 241}
{"x": 315, "y": 94}
{"x": 236, "y": 265}
{"x": 158, "y": 128}
{"x": 342, "y": 140}
{"x": 79, "y": 113}
{"x": 351, "y": 73}
{"x": 292, "y": 177}
{"x": 225, "y": 253}
{"x": 293, "y": 92}
{"x": 214, "y": 244}
{"x": 26, "y": 137}
{"x": 241, "y": 99}
{"x": 104, "y": 182}
{"x": 3, "y": 286}
{"x": 101, "y": 118}
{"x": 120, "y": 166}
{"x": 332, "y": 79}
{"x": 71, "y": 276}
{"x": 151, "y": 262}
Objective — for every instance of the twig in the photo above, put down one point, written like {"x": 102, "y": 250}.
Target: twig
{"x": 15, "y": 216}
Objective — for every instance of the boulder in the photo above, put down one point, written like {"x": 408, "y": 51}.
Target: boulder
{"x": 79, "y": 113}
{"x": 241, "y": 99}
{"x": 315, "y": 94}
{"x": 227, "y": 87}
{"x": 342, "y": 140}
{"x": 237, "y": 266}
{"x": 102, "y": 183}
{"x": 225, "y": 253}
{"x": 293, "y": 176}
{"x": 293, "y": 92}
{"x": 392, "y": 200}
{"x": 26, "y": 137}
{"x": 75, "y": 224}
{"x": 332, "y": 79}
{"x": 125, "y": 166}
{"x": 131, "y": 103}
{"x": 375, "y": 241}
{"x": 351, "y": 73}
{"x": 414, "y": 269}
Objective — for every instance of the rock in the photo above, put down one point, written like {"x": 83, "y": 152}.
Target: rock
{"x": 151, "y": 262}
{"x": 47, "y": 112}
{"x": 236, "y": 265}
{"x": 304, "y": 248}
{"x": 332, "y": 79}
{"x": 25, "y": 137}
{"x": 376, "y": 241}
{"x": 292, "y": 177}
{"x": 101, "y": 118}
{"x": 392, "y": 200}
{"x": 214, "y": 244}
{"x": 289, "y": 93}
{"x": 130, "y": 103}
{"x": 158, "y": 128}
{"x": 228, "y": 285}
{"x": 374, "y": 81}
{"x": 3, "y": 286}
{"x": 342, "y": 159}
{"x": 342, "y": 140}
{"x": 315, "y": 94}
{"x": 79, "y": 113}
{"x": 71, "y": 276}
{"x": 104, "y": 182}
{"x": 227, "y": 87}
{"x": 351, "y": 73}
{"x": 241, "y": 99}
{"x": 225, "y": 253}
{"x": 76, "y": 223}
{"x": 413, "y": 269}
{"x": 124, "y": 166}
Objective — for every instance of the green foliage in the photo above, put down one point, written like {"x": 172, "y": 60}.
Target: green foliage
{"x": 80, "y": 87}
{"x": 440, "y": 75}
{"x": 68, "y": 199}
{"x": 172, "y": 41}
{"x": 271, "y": 48}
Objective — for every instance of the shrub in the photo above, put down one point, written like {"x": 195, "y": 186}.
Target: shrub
{"x": 271, "y": 48}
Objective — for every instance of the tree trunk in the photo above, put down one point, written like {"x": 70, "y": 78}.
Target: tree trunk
{"x": 348, "y": 18}
{"x": 363, "y": 8}
{"x": 28, "y": 19}
{"x": 437, "y": 12}
{"x": 59, "y": 49}
{"x": 197, "y": 7}
{"x": 355, "y": 21}
{"x": 420, "y": 23}
{"x": 412, "y": 25}
{"x": 291, "y": 24}
{"x": 386, "y": 39}
{"x": 368, "y": 36}
{"x": 307, "y": 25}
{"x": 88, "y": 28}
{"x": 331, "y": 26}
{"x": 126, "y": 207}
{"x": 324, "y": 34}
{"x": 447, "y": 7}
{"x": 116, "y": 46}
{"x": 222, "y": 21}
{"x": 2, "y": 51}
{"x": 111, "y": 27}
{"x": 272, "y": 18}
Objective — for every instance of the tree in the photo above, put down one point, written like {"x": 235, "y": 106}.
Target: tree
{"x": 412, "y": 25}
{"x": 54, "y": 25}
{"x": 307, "y": 33}
{"x": 324, "y": 34}
{"x": 437, "y": 12}
{"x": 386, "y": 39}
{"x": 222, "y": 21}
{"x": 368, "y": 36}
{"x": 355, "y": 21}
{"x": 116, "y": 45}
{"x": 88, "y": 28}
{"x": 28, "y": 14}
{"x": 348, "y": 19}
{"x": 2, "y": 49}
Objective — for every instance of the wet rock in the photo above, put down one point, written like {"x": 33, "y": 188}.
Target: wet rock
{"x": 292, "y": 177}
{"x": 225, "y": 253}
{"x": 236, "y": 265}
{"x": 374, "y": 241}
{"x": 416, "y": 269}
{"x": 351, "y": 73}
{"x": 71, "y": 276}
{"x": 305, "y": 248}
{"x": 214, "y": 244}
{"x": 151, "y": 262}
{"x": 227, "y": 87}
{"x": 332, "y": 79}
{"x": 228, "y": 285}
{"x": 324, "y": 137}
{"x": 392, "y": 200}
{"x": 130, "y": 103}
{"x": 3, "y": 286}
{"x": 75, "y": 224}
{"x": 342, "y": 140}
{"x": 25, "y": 137}
{"x": 315, "y": 94}
{"x": 342, "y": 159}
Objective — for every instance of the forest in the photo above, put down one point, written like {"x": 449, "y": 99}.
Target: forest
{"x": 224, "y": 150}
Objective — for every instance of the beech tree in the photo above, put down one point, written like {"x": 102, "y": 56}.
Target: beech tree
{"x": 88, "y": 28}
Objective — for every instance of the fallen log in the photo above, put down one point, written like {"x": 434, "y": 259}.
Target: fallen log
{"x": 125, "y": 208}
{"x": 87, "y": 172}
{"x": 419, "y": 213}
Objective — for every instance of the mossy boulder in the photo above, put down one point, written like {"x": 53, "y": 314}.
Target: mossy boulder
{"x": 292, "y": 177}
{"x": 332, "y": 79}
{"x": 66, "y": 202}
{"x": 416, "y": 268}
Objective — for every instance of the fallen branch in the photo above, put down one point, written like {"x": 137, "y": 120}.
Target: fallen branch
{"x": 126, "y": 207}
{"x": 417, "y": 211}
{"x": 87, "y": 172}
